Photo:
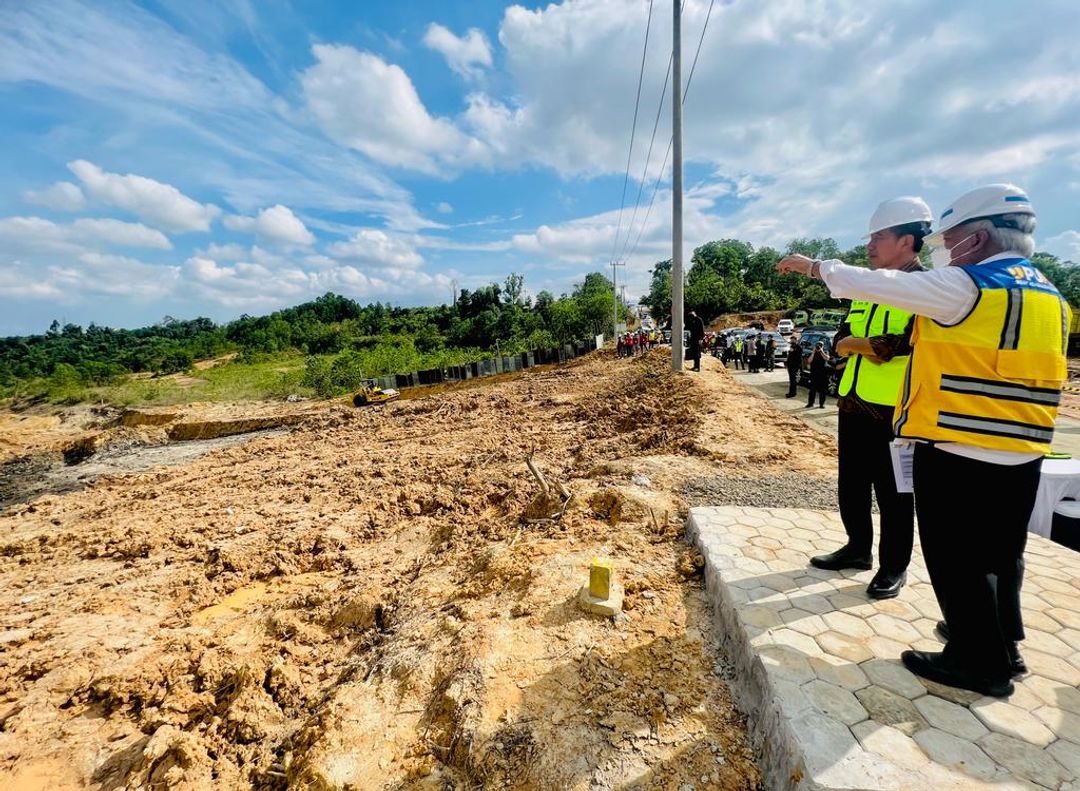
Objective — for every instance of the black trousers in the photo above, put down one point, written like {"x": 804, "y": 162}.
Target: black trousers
{"x": 865, "y": 464}
{"x": 819, "y": 385}
{"x": 973, "y": 519}
{"x": 793, "y": 382}
{"x": 695, "y": 353}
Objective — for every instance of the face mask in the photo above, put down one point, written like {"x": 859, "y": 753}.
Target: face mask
{"x": 942, "y": 257}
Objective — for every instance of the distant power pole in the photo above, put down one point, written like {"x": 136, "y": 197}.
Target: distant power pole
{"x": 676, "y": 194}
{"x": 453, "y": 292}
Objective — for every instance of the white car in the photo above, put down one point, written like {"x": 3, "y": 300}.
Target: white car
{"x": 785, "y": 326}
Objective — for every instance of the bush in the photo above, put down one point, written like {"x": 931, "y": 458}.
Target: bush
{"x": 317, "y": 376}
{"x": 347, "y": 371}
{"x": 176, "y": 361}
{"x": 97, "y": 373}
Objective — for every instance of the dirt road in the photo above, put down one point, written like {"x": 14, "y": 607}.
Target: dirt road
{"x": 368, "y": 601}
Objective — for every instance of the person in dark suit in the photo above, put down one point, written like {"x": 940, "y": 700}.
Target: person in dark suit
{"x": 697, "y": 334}
{"x": 793, "y": 363}
{"x": 819, "y": 376}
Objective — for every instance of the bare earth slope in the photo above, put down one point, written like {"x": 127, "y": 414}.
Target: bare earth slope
{"x": 358, "y": 604}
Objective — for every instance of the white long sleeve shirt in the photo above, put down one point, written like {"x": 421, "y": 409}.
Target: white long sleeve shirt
{"x": 944, "y": 295}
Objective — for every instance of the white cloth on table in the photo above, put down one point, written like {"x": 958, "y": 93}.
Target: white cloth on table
{"x": 1060, "y": 479}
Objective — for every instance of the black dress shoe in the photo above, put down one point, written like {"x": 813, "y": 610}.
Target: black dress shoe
{"x": 843, "y": 558}
{"x": 886, "y": 585}
{"x": 936, "y": 667}
{"x": 1016, "y": 662}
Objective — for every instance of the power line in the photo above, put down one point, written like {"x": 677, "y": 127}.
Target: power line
{"x": 704, "y": 27}
{"x": 633, "y": 130}
{"x": 660, "y": 174}
{"x": 648, "y": 155}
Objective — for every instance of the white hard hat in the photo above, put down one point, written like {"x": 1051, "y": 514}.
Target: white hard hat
{"x": 989, "y": 201}
{"x": 899, "y": 211}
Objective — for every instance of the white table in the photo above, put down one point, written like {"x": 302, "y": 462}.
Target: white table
{"x": 1060, "y": 479}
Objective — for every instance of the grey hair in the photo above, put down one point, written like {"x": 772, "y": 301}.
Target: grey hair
{"x": 1019, "y": 238}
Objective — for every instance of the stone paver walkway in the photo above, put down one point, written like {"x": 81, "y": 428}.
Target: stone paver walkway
{"x": 817, "y": 666}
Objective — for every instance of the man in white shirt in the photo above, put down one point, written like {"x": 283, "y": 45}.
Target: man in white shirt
{"x": 980, "y": 399}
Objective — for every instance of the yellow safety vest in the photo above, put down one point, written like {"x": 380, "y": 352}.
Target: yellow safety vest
{"x": 994, "y": 379}
{"x": 878, "y": 383}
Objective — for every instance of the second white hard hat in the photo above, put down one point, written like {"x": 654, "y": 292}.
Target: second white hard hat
{"x": 983, "y": 202}
{"x": 899, "y": 211}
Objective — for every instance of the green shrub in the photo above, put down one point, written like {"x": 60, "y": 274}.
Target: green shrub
{"x": 347, "y": 371}
{"x": 317, "y": 376}
{"x": 176, "y": 361}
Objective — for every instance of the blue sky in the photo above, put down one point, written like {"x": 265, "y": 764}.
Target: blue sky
{"x": 177, "y": 157}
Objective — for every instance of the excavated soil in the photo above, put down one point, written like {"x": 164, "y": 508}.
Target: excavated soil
{"x": 385, "y": 598}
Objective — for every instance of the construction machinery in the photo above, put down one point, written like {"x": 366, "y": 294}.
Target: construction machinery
{"x": 370, "y": 393}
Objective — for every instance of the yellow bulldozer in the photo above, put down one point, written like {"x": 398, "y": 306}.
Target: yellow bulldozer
{"x": 370, "y": 393}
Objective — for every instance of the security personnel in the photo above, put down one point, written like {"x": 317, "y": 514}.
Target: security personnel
{"x": 980, "y": 400}
{"x": 874, "y": 341}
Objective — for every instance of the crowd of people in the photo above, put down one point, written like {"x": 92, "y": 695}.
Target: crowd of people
{"x": 630, "y": 344}
{"x": 753, "y": 351}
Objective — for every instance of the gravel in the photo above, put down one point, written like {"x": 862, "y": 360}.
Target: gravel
{"x": 787, "y": 490}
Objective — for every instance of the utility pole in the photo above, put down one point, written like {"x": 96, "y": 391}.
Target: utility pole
{"x": 615, "y": 300}
{"x": 676, "y": 193}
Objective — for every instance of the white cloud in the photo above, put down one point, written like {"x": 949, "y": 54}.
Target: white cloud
{"x": 580, "y": 241}
{"x": 161, "y": 205}
{"x": 119, "y": 234}
{"x": 224, "y": 252}
{"x": 372, "y": 247}
{"x": 372, "y": 106}
{"x": 444, "y": 208}
{"x": 252, "y": 286}
{"x": 61, "y": 196}
{"x": 1065, "y": 246}
{"x": 465, "y": 55}
{"x": 37, "y": 234}
{"x": 276, "y": 224}
{"x": 115, "y": 275}
{"x": 243, "y": 286}
{"x": 19, "y": 280}
{"x": 94, "y": 275}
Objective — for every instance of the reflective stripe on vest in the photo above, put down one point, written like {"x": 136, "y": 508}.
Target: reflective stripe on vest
{"x": 878, "y": 383}
{"x": 994, "y": 379}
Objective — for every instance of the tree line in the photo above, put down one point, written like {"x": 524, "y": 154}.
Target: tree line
{"x": 361, "y": 340}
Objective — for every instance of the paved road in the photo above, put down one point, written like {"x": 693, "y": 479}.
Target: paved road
{"x": 773, "y": 385}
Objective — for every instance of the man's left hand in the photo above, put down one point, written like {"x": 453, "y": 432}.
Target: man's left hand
{"x": 795, "y": 263}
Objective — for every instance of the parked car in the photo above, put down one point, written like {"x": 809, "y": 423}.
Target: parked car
{"x": 785, "y": 326}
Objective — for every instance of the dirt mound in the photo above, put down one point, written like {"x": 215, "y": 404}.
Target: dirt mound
{"x": 364, "y": 603}
{"x": 732, "y": 320}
